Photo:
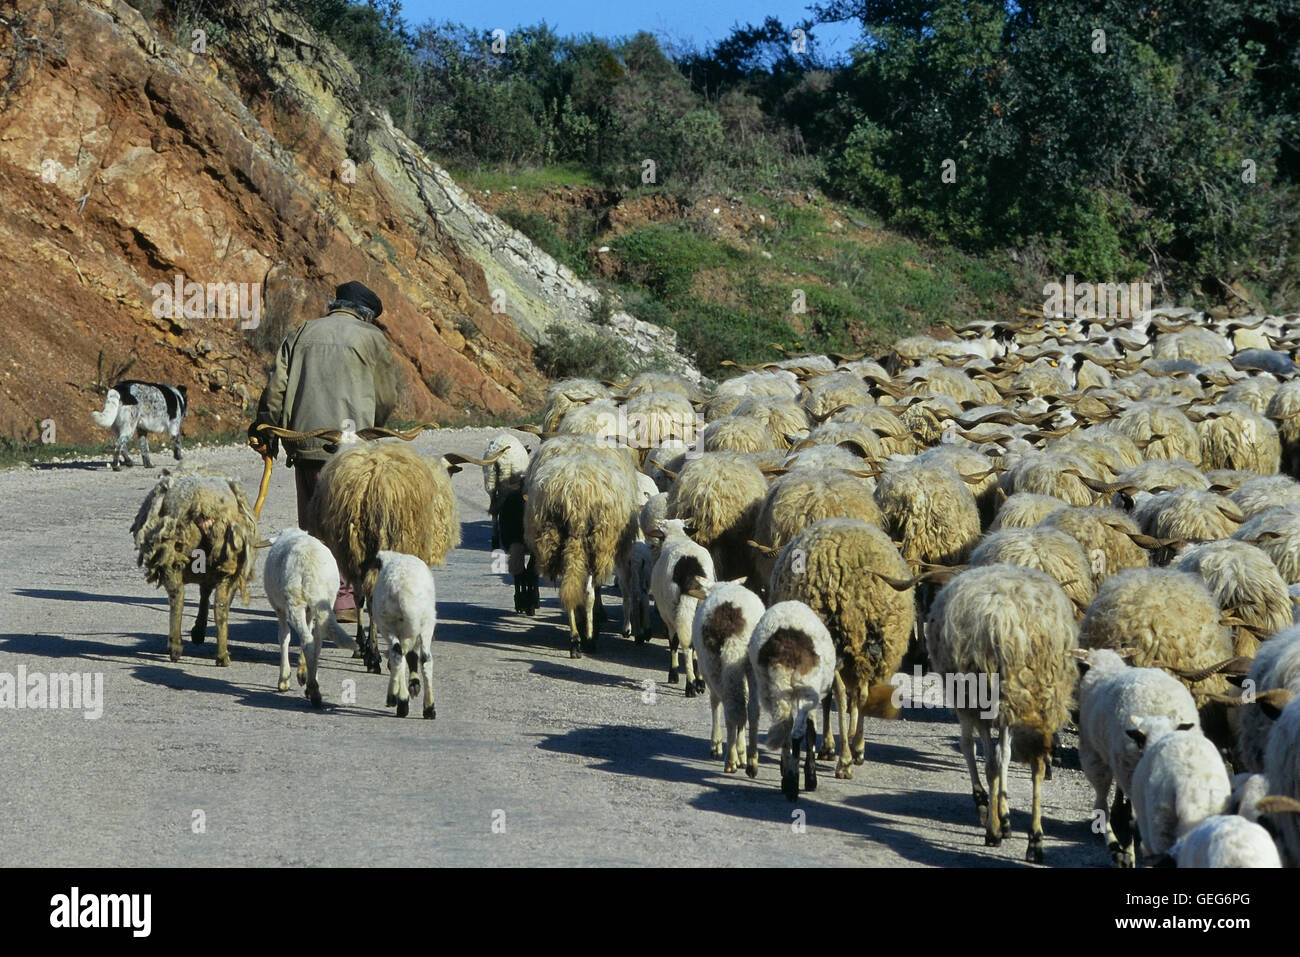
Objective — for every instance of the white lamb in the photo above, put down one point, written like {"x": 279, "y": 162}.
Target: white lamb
{"x": 724, "y": 621}
{"x": 682, "y": 565}
{"x": 1226, "y": 840}
{"x": 405, "y": 612}
{"x": 1178, "y": 783}
{"x": 301, "y": 580}
{"x": 1111, "y": 694}
{"x": 632, "y": 571}
{"x": 792, "y": 658}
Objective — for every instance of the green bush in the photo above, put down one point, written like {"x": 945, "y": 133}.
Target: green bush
{"x": 569, "y": 353}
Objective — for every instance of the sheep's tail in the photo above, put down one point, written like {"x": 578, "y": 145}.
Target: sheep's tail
{"x": 333, "y": 630}
{"x": 573, "y": 573}
{"x": 106, "y": 418}
{"x": 778, "y": 732}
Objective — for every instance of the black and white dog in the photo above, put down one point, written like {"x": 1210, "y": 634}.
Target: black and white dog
{"x": 138, "y": 408}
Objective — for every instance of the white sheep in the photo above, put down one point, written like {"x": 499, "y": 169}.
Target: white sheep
{"x": 510, "y": 459}
{"x": 1179, "y": 781}
{"x": 632, "y": 570}
{"x": 301, "y": 579}
{"x": 1226, "y": 840}
{"x": 682, "y": 565}
{"x": 1111, "y": 694}
{"x": 724, "y": 621}
{"x": 793, "y": 662}
{"x": 405, "y": 613}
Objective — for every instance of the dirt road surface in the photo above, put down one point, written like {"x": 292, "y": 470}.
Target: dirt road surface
{"x": 534, "y": 759}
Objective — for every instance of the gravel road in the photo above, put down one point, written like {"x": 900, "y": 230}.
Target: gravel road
{"x": 534, "y": 759}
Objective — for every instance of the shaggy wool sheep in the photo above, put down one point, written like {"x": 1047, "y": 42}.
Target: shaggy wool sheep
{"x": 521, "y": 564}
{"x": 568, "y": 394}
{"x": 719, "y": 495}
{"x": 301, "y": 580}
{"x": 405, "y": 615}
{"x": 581, "y": 509}
{"x": 1284, "y": 409}
{"x": 1276, "y": 666}
{"x": 1276, "y": 532}
{"x": 1179, "y": 781}
{"x": 383, "y": 496}
{"x": 1016, "y": 627}
{"x": 792, "y": 659}
{"x": 196, "y": 529}
{"x": 1049, "y": 473}
{"x": 1261, "y": 494}
{"x": 1160, "y": 431}
{"x": 1237, "y": 437}
{"x": 834, "y": 391}
{"x": 785, "y": 419}
{"x": 738, "y": 433}
{"x": 928, "y": 507}
{"x": 1186, "y": 516}
{"x": 801, "y": 498}
{"x": 1046, "y": 549}
{"x": 842, "y": 568}
{"x": 682, "y": 569}
{"x": 1024, "y": 510}
{"x": 1106, "y": 537}
{"x": 1111, "y": 695}
{"x": 1247, "y": 587}
{"x": 723, "y": 623}
{"x": 1282, "y": 766}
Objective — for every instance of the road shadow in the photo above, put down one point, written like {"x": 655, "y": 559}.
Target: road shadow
{"x": 78, "y": 646}
{"x": 79, "y": 466}
{"x": 191, "y": 602}
{"x": 558, "y": 668}
{"x": 178, "y": 678}
{"x": 642, "y": 752}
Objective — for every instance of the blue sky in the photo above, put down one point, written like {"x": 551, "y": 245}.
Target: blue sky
{"x": 698, "y": 22}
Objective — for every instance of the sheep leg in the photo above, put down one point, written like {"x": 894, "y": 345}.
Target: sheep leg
{"x": 858, "y": 721}
{"x": 751, "y": 725}
{"x": 589, "y": 607}
{"x": 225, "y": 591}
{"x": 968, "y": 752}
{"x": 828, "y": 739}
{"x": 176, "y": 443}
{"x": 688, "y": 664}
{"x": 119, "y": 453}
{"x": 1004, "y": 770}
{"x": 1035, "y": 853}
{"x": 374, "y": 665}
{"x": 426, "y": 670}
{"x": 311, "y": 644}
{"x": 398, "y": 692}
{"x": 700, "y": 685}
{"x": 810, "y": 753}
{"x": 1121, "y": 819}
{"x": 844, "y": 766}
{"x": 672, "y": 658}
{"x": 575, "y": 645}
{"x": 285, "y": 631}
{"x": 200, "y": 629}
{"x": 143, "y": 443}
{"x": 715, "y": 740}
{"x": 790, "y": 768}
{"x": 175, "y": 605}
{"x": 992, "y": 757}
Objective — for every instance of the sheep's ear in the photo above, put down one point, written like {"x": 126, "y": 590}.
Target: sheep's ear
{"x": 1137, "y": 736}
{"x": 737, "y": 581}
{"x": 1185, "y": 726}
{"x": 696, "y": 589}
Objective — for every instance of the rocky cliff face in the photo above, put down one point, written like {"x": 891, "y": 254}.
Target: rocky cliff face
{"x": 129, "y": 164}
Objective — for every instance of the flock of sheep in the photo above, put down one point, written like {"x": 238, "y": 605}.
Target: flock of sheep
{"x": 1099, "y": 519}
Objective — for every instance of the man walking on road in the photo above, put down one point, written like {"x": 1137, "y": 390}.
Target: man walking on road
{"x": 333, "y": 372}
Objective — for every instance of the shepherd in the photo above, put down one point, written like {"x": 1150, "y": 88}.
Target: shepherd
{"x": 335, "y": 372}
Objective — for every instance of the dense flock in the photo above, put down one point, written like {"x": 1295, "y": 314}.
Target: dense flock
{"x": 1095, "y": 520}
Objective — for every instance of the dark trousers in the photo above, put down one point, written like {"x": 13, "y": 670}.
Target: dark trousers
{"x": 306, "y": 475}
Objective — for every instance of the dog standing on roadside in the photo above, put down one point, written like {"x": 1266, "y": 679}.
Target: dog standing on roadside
{"x": 138, "y": 408}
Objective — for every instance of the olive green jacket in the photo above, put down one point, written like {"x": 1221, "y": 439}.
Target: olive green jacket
{"x": 330, "y": 370}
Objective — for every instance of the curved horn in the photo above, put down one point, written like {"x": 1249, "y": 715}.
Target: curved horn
{"x": 1277, "y": 804}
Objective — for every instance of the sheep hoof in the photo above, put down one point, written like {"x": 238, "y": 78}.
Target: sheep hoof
{"x": 1119, "y": 856}
{"x": 430, "y": 712}
{"x": 116, "y": 467}
{"x": 391, "y": 699}
{"x": 982, "y": 806}
{"x": 174, "y": 653}
{"x": 357, "y": 652}
{"x": 859, "y": 757}
{"x": 283, "y": 685}
{"x": 314, "y": 696}
{"x": 589, "y": 645}
{"x": 827, "y": 750}
{"x": 810, "y": 779}
{"x": 197, "y": 635}
{"x": 1035, "y": 853}
{"x": 403, "y": 708}
{"x": 1006, "y": 825}
{"x": 751, "y": 769}
{"x": 690, "y": 689}
{"x": 844, "y": 770}
{"x": 729, "y": 767}
{"x": 575, "y": 648}
{"x": 991, "y": 840}
{"x": 223, "y": 660}
{"x": 700, "y": 686}
{"x": 790, "y": 785}
{"x": 672, "y": 677}
{"x": 643, "y": 638}
{"x": 715, "y": 750}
